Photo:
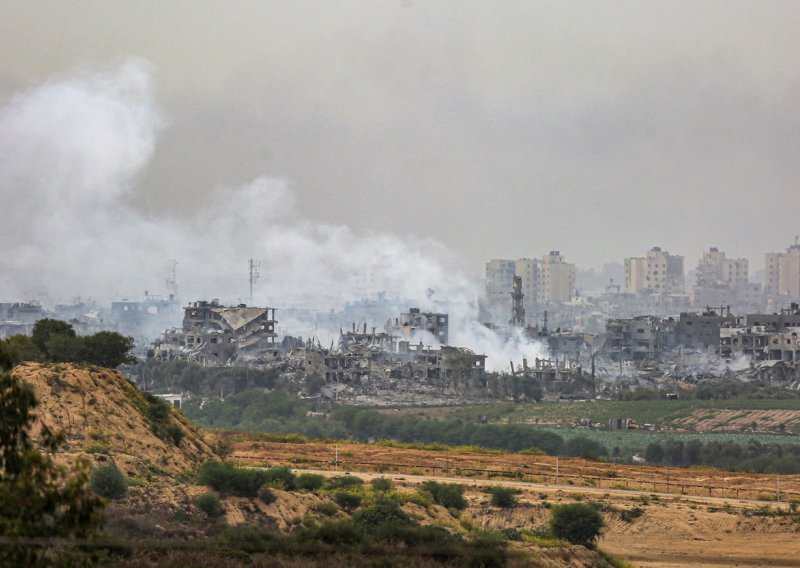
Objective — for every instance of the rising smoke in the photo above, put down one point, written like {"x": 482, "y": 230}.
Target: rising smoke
{"x": 71, "y": 151}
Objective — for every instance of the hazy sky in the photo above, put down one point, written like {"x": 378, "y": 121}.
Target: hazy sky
{"x": 500, "y": 129}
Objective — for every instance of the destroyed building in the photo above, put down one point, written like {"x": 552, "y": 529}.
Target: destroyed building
{"x": 641, "y": 338}
{"x": 19, "y": 317}
{"x": 147, "y": 316}
{"x": 214, "y": 334}
{"x": 414, "y": 321}
{"x": 702, "y": 330}
{"x": 354, "y": 341}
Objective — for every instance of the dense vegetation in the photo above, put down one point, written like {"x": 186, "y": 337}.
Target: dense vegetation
{"x": 277, "y": 412}
{"x": 56, "y": 341}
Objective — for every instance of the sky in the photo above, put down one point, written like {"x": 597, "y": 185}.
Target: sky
{"x": 475, "y": 130}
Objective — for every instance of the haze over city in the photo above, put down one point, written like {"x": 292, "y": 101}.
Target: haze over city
{"x": 472, "y": 129}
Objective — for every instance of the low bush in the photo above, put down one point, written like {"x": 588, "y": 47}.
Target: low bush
{"x": 382, "y": 484}
{"x": 281, "y": 478}
{"x": 109, "y": 482}
{"x": 339, "y": 534}
{"x": 266, "y": 494}
{"x": 343, "y": 482}
{"x": 326, "y": 508}
{"x": 209, "y": 504}
{"x": 630, "y": 515}
{"x": 347, "y": 501}
{"x": 448, "y": 495}
{"x": 247, "y": 538}
{"x": 229, "y": 479}
{"x": 504, "y": 497}
{"x": 309, "y": 482}
{"x": 385, "y": 511}
{"x": 578, "y": 523}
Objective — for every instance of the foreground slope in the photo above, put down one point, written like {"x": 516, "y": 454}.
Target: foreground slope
{"x": 106, "y": 416}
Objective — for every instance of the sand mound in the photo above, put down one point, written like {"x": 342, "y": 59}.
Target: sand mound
{"x": 106, "y": 417}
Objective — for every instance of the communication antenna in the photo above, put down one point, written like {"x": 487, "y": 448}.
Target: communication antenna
{"x": 172, "y": 280}
{"x": 255, "y": 273}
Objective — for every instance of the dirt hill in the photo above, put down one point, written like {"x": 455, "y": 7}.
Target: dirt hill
{"x": 105, "y": 417}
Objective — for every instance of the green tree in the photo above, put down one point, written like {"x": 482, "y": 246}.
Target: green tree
{"x": 20, "y": 348}
{"x": 108, "y": 349}
{"x": 38, "y": 498}
{"x": 578, "y": 523}
{"x": 46, "y": 329}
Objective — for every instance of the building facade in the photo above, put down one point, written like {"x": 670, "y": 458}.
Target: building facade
{"x": 656, "y": 273}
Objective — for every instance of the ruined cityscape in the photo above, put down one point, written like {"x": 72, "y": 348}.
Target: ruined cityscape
{"x": 644, "y": 325}
{"x": 399, "y": 284}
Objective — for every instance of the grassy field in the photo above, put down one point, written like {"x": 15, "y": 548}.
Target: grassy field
{"x": 632, "y": 442}
{"x": 664, "y": 413}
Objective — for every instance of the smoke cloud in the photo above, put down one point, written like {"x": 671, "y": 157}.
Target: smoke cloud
{"x": 71, "y": 152}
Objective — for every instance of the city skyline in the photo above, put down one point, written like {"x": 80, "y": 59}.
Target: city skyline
{"x": 599, "y": 129}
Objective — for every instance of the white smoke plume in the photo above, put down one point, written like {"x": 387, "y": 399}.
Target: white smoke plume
{"x": 70, "y": 153}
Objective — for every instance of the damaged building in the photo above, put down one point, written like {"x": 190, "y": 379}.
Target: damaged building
{"x": 19, "y": 317}
{"x": 414, "y": 321}
{"x": 213, "y": 334}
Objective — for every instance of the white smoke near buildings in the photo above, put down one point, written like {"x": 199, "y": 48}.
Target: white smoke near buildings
{"x": 70, "y": 154}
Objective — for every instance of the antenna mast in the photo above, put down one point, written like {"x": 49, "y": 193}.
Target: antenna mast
{"x": 255, "y": 272}
{"x": 172, "y": 280}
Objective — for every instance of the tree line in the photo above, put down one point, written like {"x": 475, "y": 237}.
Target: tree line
{"x": 56, "y": 341}
{"x": 280, "y": 413}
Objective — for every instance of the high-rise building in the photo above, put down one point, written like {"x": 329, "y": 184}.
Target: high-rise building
{"x": 556, "y": 279}
{"x": 782, "y": 272}
{"x": 544, "y": 280}
{"x": 658, "y": 272}
{"x": 715, "y": 270}
{"x": 499, "y": 281}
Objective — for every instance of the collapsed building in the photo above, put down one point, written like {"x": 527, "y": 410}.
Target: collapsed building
{"x": 213, "y": 334}
{"x": 409, "y": 324}
{"x": 148, "y": 316}
{"x": 19, "y": 318}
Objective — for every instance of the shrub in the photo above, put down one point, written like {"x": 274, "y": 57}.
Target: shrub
{"x": 229, "y": 479}
{"x": 266, "y": 494}
{"x": 328, "y": 509}
{"x": 382, "y": 484}
{"x": 504, "y": 497}
{"x": 630, "y": 515}
{"x": 347, "y": 501}
{"x": 247, "y": 538}
{"x": 579, "y": 523}
{"x": 385, "y": 511}
{"x": 108, "y": 482}
{"x": 344, "y": 482}
{"x": 338, "y": 534}
{"x": 209, "y": 504}
{"x": 175, "y": 433}
{"x": 447, "y": 495}
{"x": 280, "y": 478}
{"x": 309, "y": 482}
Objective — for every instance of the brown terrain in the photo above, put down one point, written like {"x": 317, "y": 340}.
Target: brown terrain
{"x": 103, "y": 415}
{"x": 720, "y": 420}
{"x": 689, "y": 517}
{"x": 656, "y": 517}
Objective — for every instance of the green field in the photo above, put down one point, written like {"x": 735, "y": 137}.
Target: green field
{"x": 663, "y": 413}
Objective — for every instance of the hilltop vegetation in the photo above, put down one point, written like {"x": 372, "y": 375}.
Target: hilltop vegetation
{"x": 56, "y": 341}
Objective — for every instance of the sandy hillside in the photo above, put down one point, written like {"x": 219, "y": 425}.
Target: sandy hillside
{"x": 105, "y": 417}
